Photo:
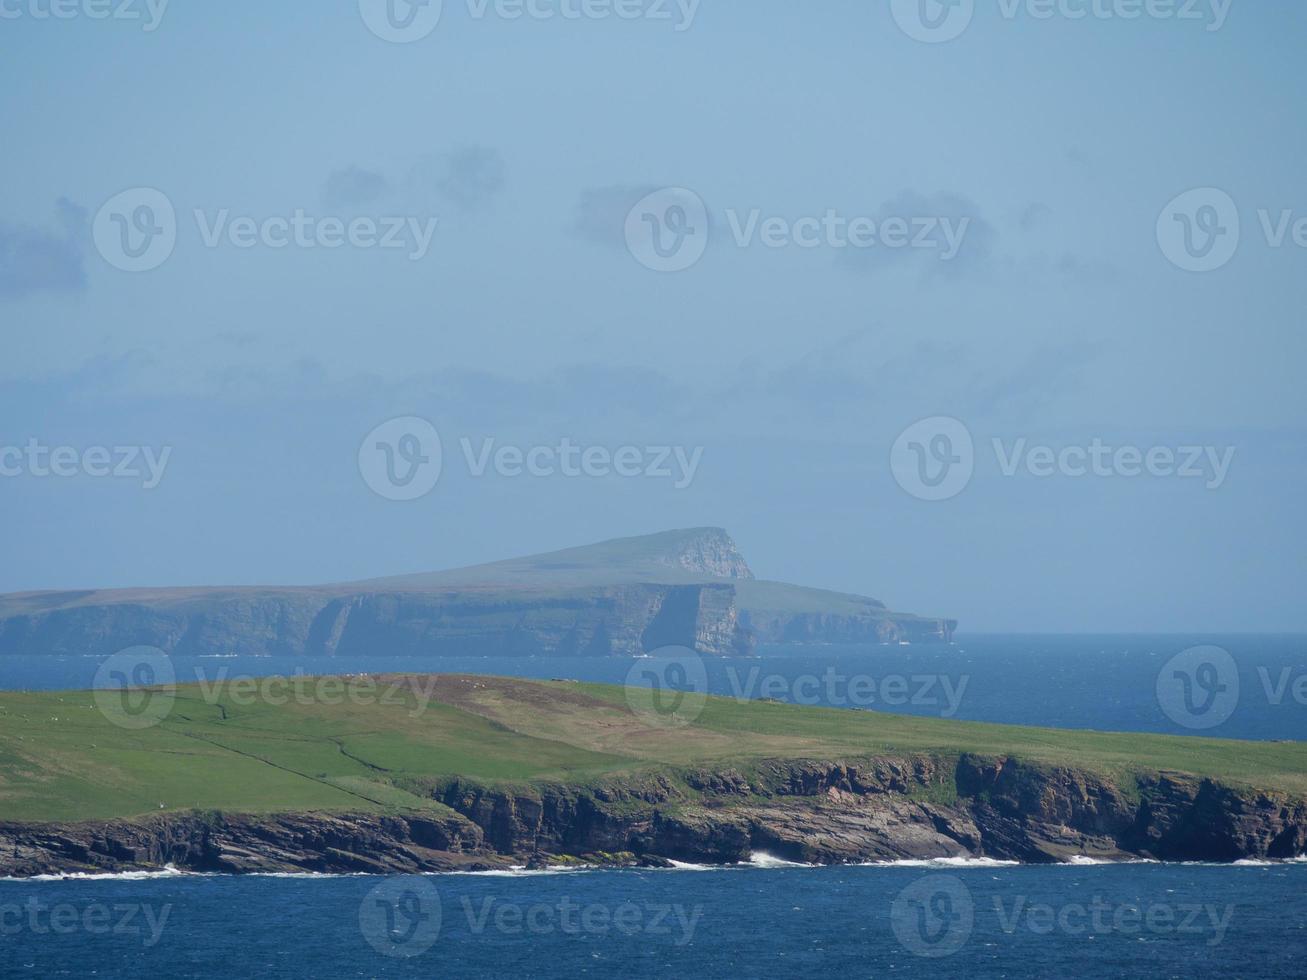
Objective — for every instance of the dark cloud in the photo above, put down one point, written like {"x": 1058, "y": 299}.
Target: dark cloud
{"x": 970, "y": 249}
{"x": 44, "y": 259}
{"x": 469, "y": 177}
{"x": 354, "y": 186}
{"x": 1029, "y": 386}
{"x": 601, "y": 212}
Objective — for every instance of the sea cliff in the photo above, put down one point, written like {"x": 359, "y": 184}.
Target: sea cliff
{"x": 820, "y": 812}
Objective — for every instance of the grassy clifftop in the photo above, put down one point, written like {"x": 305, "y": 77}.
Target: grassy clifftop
{"x": 329, "y": 747}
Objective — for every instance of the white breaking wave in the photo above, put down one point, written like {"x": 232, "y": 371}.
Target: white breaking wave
{"x": 958, "y": 861}
{"x": 761, "y": 859}
{"x": 1084, "y": 861}
{"x": 168, "y": 871}
{"x": 304, "y": 874}
{"x": 522, "y": 871}
{"x": 1241, "y": 863}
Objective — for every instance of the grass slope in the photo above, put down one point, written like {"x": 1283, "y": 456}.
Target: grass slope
{"x": 61, "y": 759}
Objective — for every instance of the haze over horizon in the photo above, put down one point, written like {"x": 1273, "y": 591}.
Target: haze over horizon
{"x": 793, "y": 371}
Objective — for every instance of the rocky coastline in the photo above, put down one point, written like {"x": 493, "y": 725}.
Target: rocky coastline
{"x": 816, "y": 812}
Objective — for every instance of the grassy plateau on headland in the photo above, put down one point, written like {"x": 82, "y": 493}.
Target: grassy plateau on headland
{"x": 231, "y": 748}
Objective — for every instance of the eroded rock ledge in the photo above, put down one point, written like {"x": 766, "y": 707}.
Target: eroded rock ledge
{"x": 818, "y": 812}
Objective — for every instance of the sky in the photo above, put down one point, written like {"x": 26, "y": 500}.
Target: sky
{"x": 991, "y": 310}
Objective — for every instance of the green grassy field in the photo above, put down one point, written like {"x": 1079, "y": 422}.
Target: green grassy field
{"x": 228, "y": 748}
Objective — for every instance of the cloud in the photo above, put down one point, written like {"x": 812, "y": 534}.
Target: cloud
{"x": 961, "y": 238}
{"x": 865, "y": 382}
{"x": 600, "y": 214}
{"x": 39, "y": 259}
{"x": 354, "y": 186}
{"x": 1029, "y": 386}
{"x": 469, "y": 177}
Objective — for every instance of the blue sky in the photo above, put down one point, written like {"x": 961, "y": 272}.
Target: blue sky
{"x": 1061, "y": 320}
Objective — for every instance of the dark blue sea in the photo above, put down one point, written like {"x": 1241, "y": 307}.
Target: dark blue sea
{"x": 1038, "y": 922}
{"x": 768, "y": 920}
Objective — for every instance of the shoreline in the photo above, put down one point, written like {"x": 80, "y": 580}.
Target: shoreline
{"x": 521, "y": 871}
{"x": 916, "y": 810}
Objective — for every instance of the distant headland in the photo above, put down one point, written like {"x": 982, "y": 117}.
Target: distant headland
{"x": 689, "y": 588}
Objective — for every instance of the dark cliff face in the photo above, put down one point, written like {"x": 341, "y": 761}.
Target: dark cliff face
{"x": 817, "y": 812}
{"x": 618, "y": 620}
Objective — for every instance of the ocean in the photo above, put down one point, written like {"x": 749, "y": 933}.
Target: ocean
{"x": 926, "y": 921}
{"x": 969, "y": 919}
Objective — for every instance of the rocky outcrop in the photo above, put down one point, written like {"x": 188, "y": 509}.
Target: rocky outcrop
{"x": 337, "y": 843}
{"x": 874, "y": 809}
